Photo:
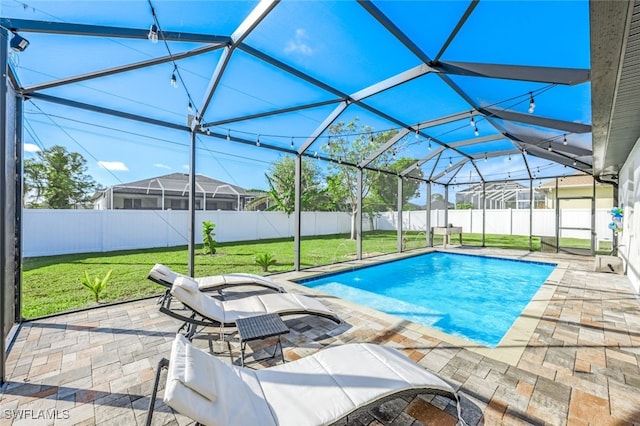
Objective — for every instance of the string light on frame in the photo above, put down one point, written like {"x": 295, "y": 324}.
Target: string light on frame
{"x": 532, "y": 103}
{"x": 153, "y": 33}
{"x": 174, "y": 80}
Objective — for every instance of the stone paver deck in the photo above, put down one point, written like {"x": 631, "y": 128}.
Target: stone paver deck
{"x": 580, "y": 364}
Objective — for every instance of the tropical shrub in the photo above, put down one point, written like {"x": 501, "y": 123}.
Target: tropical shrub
{"x": 209, "y": 244}
{"x": 265, "y": 260}
{"x": 97, "y": 285}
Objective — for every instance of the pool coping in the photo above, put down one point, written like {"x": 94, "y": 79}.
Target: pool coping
{"x": 511, "y": 346}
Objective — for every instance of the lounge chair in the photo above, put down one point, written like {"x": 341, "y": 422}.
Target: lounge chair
{"x": 163, "y": 275}
{"x": 224, "y": 313}
{"x": 319, "y": 389}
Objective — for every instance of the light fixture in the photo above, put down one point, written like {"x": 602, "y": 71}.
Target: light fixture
{"x": 258, "y": 140}
{"x": 291, "y": 142}
{"x": 476, "y": 132}
{"x": 509, "y": 157}
{"x": 532, "y": 104}
{"x": 153, "y": 33}
{"x": 429, "y": 146}
{"x": 228, "y": 135}
{"x": 485, "y": 156}
{"x": 564, "y": 141}
{"x": 575, "y": 163}
{"x": 174, "y": 80}
{"x": 208, "y": 132}
{"x": 315, "y": 154}
{"x": 18, "y": 43}
{"x": 472, "y": 122}
{"x": 190, "y": 107}
{"x": 418, "y": 132}
{"x": 549, "y": 147}
{"x": 450, "y": 163}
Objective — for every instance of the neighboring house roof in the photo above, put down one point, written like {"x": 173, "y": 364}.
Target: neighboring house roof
{"x": 179, "y": 182}
{"x": 492, "y": 187}
{"x": 567, "y": 181}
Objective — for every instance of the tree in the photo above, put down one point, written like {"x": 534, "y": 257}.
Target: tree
{"x": 386, "y": 185}
{"x": 281, "y": 179}
{"x": 342, "y": 183}
{"x": 57, "y": 179}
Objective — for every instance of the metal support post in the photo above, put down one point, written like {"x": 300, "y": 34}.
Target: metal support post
{"x": 484, "y": 213}
{"x": 297, "y": 218}
{"x": 428, "y": 218}
{"x": 557, "y": 203}
{"x": 358, "y": 219}
{"x": 400, "y": 245}
{"x": 530, "y": 214}
{"x": 192, "y": 204}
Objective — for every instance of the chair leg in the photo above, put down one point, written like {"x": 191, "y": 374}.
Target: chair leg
{"x": 162, "y": 364}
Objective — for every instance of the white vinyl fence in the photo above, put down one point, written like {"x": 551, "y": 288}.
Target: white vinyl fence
{"x": 505, "y": 222}
{"x": 51, "y": 232}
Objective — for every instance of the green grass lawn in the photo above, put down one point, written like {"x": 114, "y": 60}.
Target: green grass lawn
{"x": 52, "y": 284}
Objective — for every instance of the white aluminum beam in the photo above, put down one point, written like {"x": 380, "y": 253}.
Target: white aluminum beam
{"x": 29, "y": 26}
{"x": 244, "y": 29}
{"x": 120, "y": 69}
{"x": 323, "y": 126}
{"x": 550, "y": 75}
{"x": 565, "y": 126}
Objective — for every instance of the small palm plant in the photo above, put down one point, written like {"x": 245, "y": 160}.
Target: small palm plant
{"x": 265, "y": 260}
{"x": 208, "y": 243}
{"x": 96, "y": 285}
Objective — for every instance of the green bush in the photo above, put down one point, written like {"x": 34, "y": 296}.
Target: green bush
{"x": 265, "y": 260}
{"x": 208, "y": 243}
{"x": 97, "y": 285}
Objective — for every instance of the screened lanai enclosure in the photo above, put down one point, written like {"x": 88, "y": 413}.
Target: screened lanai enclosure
{"x": 362, "y": 119}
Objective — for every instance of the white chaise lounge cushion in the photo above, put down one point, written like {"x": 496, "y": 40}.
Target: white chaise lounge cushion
{"x": 201, "y": 380}
{"x": 338, "y": 381}
{"x": 163, "y": 273}
{"x": 310, "y": 391}
{"x": 229, "y": 311}
{"x": 239, "y": 400}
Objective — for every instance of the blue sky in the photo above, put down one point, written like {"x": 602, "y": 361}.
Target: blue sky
{"x": 337, "y": 42}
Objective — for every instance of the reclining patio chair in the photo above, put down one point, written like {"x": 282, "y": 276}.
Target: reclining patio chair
{"x": 208, "y": 311}
{"x": 163, "y": 275}
{"x": 319, "y": 389}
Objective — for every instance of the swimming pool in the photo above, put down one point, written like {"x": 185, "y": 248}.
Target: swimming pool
{"x": 474, "y": 297}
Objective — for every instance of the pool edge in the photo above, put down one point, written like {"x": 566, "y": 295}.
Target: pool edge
{"x": 511, "y": 346}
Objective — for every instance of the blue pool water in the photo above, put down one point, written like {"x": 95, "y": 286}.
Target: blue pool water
{"x": 474, "y": 297}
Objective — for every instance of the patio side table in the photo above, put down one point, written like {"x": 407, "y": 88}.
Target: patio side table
{"x": 258, "y": 328}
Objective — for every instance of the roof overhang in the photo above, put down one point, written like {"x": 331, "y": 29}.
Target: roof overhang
{"x": 615, "y": 83}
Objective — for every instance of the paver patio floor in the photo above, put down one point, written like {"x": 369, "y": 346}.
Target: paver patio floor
{"x": 580, "y": 365}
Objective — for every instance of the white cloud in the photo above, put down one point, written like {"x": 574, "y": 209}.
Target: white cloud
{"x": 113, "y": 165}
{"x": 162, "y": 166}
{"x": 185, "y": 166}
{"x": 298, "y": 44}
{"x": 29, "y": 147}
